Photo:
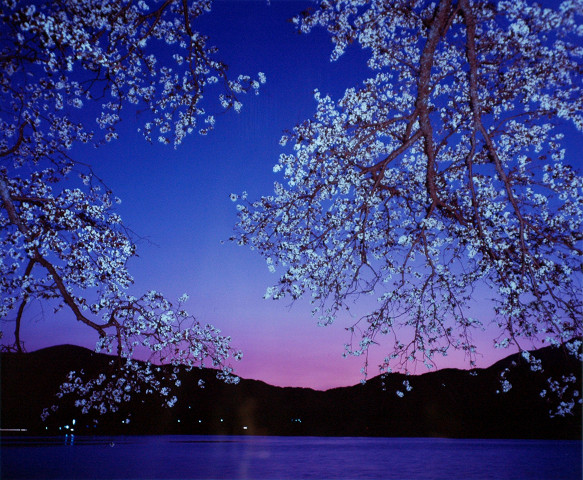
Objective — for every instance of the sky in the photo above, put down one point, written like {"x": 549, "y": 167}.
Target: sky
{"x": 177, "y": 201}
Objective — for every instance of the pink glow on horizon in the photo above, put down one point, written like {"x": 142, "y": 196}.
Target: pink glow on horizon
{"x": 287, "y": 352}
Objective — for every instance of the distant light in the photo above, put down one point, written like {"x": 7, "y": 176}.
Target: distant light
{"x": 73, "y": 421}
{"x": 178, "y": 420}
{"x": 66, "y": 427}
{"x": 221, "y": 419}
{"x": 200, "y": 421}
{"x": 245, "y": 427}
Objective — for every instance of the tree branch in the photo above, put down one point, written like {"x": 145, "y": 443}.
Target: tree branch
{"x": 17, "y": 341}
{"x": 423, "y": 92}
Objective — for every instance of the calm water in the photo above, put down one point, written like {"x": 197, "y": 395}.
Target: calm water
{"x": 215, "y": 457}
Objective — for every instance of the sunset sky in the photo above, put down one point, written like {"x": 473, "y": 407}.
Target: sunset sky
{"x": 177, "y": 202}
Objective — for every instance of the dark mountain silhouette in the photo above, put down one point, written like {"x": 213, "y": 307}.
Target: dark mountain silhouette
{"x": 445, "y": 403}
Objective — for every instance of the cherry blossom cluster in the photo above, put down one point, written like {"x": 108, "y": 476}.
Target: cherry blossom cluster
{"x": 167, "y": 334}
{"x": 440, "y": 179}
{"x": 70, "y": 249}
{"x": 56, "y": 245}
{"x": 68, "y": 72}
{"x": 58, "y": 58}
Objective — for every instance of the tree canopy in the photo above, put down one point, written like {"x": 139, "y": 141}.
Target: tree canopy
{"x": 441, "y": 177}
{"x": 66, "y": 68}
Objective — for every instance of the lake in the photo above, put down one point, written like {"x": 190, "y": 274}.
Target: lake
{"x": 249, "y": 457}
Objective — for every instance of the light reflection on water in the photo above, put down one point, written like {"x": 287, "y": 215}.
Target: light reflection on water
{"x": 246, "y": 457}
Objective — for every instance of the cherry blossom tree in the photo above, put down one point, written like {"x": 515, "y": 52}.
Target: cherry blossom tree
{"x": 441, "y": 177}
{"x": 63, "y": 67}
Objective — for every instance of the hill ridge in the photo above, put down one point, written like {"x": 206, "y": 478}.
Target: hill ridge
{"x": 445, "y": 403}
{"x": 503, "y": 362}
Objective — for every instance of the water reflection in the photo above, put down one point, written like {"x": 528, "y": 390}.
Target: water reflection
{"x": 249, "y": 457}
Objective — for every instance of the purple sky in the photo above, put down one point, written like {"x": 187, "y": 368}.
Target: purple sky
{"x": 179, "y": 201}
